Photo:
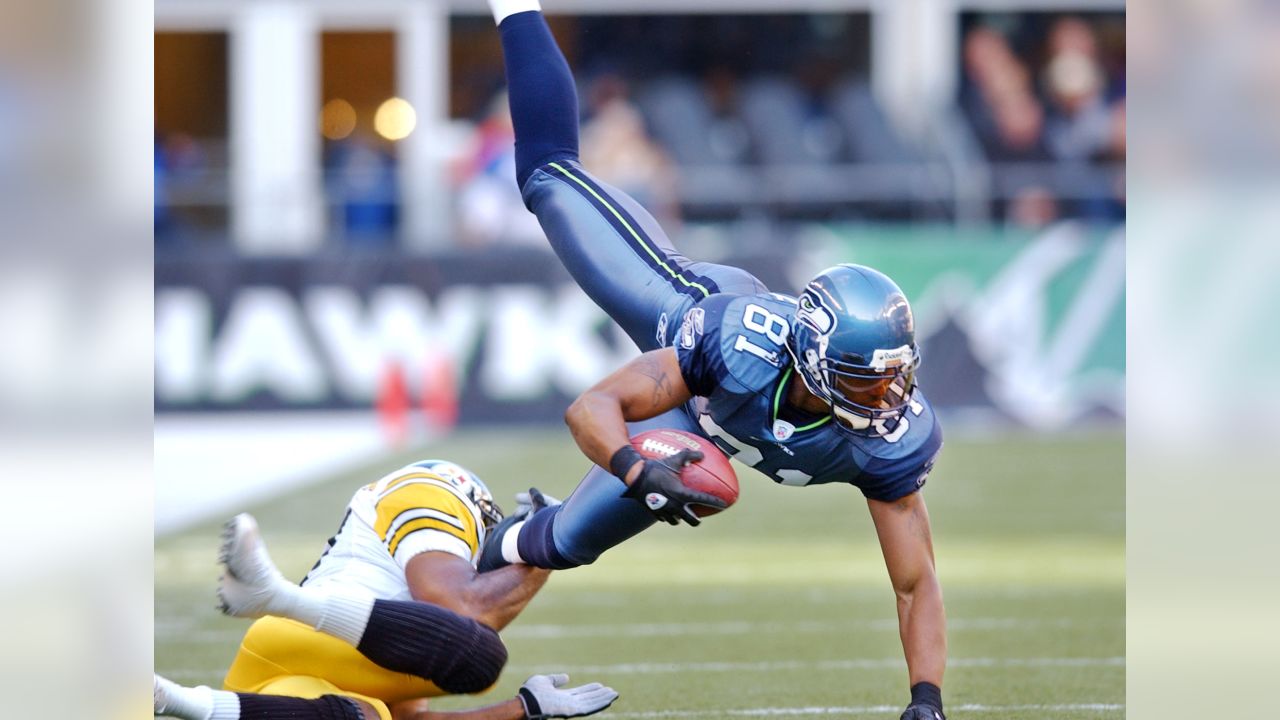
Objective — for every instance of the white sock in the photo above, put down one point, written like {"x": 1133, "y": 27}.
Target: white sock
{"x": 226, "y": 706}
{"x": 340, "y": 612}
{"x": 344, "y": 614}
{"x": 198, "y": 703}
{"x": 505, "y": 8}
{"x": 510, "y": 544}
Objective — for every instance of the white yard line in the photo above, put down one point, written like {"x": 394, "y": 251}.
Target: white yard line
{"x": 188, "y": 628}
{"x": 862, "y": 710}
{"x": 853, "y": 664}
{"x": 744, "y": 627}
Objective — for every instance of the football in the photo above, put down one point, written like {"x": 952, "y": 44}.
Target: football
{"x": 712, "y": 474}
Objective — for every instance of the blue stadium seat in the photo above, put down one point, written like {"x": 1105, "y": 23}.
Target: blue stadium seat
{"x": 870, "y": 135}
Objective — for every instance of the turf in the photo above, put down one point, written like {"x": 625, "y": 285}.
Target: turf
{"x": 778, "y": 607}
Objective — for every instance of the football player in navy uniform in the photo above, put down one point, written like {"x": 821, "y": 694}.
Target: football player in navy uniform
{"x": 813, "y": 389}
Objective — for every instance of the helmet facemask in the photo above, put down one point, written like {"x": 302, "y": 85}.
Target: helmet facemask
{"x": 864, "y": 399}
{"x": 489, "y": 510}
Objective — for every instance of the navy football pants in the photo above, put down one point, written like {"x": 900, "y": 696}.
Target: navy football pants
{"x": 623, "y": 260}
{"x": 618, "y": 255}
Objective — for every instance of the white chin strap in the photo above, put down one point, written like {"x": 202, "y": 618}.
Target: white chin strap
{"x": 857, "y": 422}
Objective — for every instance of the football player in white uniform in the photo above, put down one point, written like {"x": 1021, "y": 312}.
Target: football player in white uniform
{"x": 392, "y": 613}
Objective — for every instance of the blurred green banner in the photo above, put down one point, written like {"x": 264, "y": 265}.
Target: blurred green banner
{"x": 1031, "y": 325}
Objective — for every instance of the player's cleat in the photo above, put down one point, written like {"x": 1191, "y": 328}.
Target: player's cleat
{"x": 251, "y": 582}
{"x": 160, "y": 692}
{"x": 174, "y": 700}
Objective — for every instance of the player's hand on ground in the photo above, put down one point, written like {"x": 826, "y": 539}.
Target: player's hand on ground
{"x": 658, "y": 486}
{"x": 922, "y": 712}
{"x": 545, "y": 696}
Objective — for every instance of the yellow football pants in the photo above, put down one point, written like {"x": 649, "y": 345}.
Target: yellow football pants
{"x": 284, "y": 657}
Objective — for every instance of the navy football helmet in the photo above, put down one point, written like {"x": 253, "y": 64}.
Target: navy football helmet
{"x": 853, "y": 342}
{"x": 470, "y": 486}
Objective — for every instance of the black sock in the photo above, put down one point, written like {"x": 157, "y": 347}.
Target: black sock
{"x": 537, "y": 544}
{"x": 456, "y": 653}
{"x": 280, "y": 707}
{"x": 541, "y": 92}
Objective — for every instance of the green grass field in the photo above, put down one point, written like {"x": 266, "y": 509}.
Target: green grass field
{"x": 780, "y": 606}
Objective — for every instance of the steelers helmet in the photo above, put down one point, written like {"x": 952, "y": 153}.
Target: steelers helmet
{"x": 469, "y": 485}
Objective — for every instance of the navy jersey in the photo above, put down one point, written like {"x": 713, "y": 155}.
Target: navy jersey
{"x": 733, "y": 356}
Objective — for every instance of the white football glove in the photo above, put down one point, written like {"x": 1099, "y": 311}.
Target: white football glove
{"x": 544, "y": 696}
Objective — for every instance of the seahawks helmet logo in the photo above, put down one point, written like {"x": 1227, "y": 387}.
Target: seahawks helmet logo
{"x": 813, "y": 313}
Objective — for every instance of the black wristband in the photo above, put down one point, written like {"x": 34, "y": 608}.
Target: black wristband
{"x": 926, "y": 693}
{"x": 623, "y": 460}
{"x": 532, "y": 711}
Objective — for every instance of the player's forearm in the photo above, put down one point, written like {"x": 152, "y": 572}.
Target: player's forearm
{"x": 923, "y": 625}
{"x": 598, "y": 426}
{"x": 643, "y": 388}
{"x": 496, "y": 598}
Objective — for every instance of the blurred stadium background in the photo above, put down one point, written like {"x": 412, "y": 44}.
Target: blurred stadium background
{"x": 345, "y": 279}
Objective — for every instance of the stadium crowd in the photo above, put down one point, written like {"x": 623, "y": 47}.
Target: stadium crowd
{"x": 702, "y": 129}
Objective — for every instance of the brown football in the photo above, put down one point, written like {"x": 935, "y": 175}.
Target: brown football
{"x": 712, "y": 474}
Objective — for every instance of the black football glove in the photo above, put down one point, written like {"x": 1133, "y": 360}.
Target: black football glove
{"x": 922, "y": 712}
{"x": 658, "y": 486}
{"x": 926, "y": 702}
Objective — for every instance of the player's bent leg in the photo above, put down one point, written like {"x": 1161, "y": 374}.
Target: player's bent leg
{"x": 454, "y": 653}
{"x": 324, "y": 707}
{"x": 251, "y": 586}
{"x": 549, "y": 540}
{"x": 616, "y": 252}
{"x": 457, "y": 654}
{"x": 613, "y": 247}
{"x": 275, "y": 648}
{"x": 291, "y": 697}
{"x": 324, "y": 695}
{"x": 595, "y": 517}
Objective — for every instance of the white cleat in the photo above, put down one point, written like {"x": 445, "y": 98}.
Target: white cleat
{"x": 167, "y": 697}
{"x": 161, "y": 695}
{"x": 251, "y": 582}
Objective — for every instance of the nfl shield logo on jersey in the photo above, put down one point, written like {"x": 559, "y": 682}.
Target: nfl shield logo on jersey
{"x": 782, "y": 430}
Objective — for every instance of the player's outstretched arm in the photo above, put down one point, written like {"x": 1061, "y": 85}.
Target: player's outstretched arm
{"x": 907, "y": 543}
{"x": 493, "y": 598}
{"x": 643, "y": 388}
{"x": 541, "y": 696}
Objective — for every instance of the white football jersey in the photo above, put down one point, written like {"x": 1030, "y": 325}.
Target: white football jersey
{"x": 410, "y": 511}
